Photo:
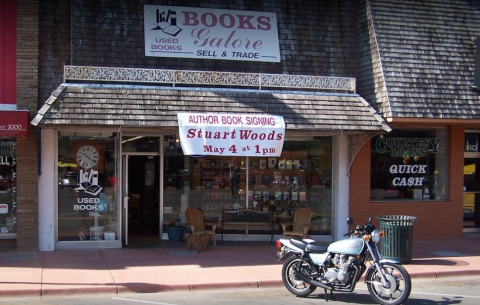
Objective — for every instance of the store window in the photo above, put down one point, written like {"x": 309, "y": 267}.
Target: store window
{"x": 87, "y": 187}
{"x": 471, "y": 177}
{"x": 299, "y": 177}
{"x": 8, "y": 185}
{"x": 180, "y": 182}
{"x": 409, "y": 164}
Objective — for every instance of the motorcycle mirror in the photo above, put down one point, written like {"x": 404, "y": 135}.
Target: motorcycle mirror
{"x": 349, "y": 220}
{"x": 370, "y": 220}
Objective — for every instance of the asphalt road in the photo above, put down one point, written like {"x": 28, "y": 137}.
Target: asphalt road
{"x": 450, "y": 290}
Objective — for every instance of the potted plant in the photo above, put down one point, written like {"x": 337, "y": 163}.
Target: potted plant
{"x": 175, "y": 232}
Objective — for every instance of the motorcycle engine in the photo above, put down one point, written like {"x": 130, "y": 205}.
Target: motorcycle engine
{"x": 341, "y": 270}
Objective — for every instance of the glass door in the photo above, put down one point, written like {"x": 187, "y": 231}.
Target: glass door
{"x": 141, "y": 189}
{"x": 125, "y": 198}
{"x": 471, "y": 193}
{"x": 142, "y": 200}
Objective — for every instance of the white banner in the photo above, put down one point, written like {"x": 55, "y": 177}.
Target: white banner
{"x": 219, "y": 134}
{"x": 192, "y": 32}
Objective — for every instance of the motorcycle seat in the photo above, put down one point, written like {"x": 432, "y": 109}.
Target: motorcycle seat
{"x": 308, "y": 245}
{"x": 298, "y": 243}
{"x": 314, "y": 247}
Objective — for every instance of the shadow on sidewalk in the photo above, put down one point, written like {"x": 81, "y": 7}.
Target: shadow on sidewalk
{"x": 438, "y": 262}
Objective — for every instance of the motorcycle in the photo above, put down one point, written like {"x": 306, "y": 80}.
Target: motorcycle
{"x": 340, "y": 265}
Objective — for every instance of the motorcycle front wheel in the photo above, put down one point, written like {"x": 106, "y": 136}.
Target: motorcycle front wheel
{"x": 399, "y": 284}
{"x": 293, "y": 284}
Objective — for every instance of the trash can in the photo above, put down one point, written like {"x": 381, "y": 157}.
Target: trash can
{"x": 397, "y": 243}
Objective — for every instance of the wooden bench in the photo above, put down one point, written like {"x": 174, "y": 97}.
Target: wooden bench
{"x": 247, "y": 219}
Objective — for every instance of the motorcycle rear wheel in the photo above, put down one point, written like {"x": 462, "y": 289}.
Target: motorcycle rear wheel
{"x": 293, "y": 284}
{"x": 400, "y": 284}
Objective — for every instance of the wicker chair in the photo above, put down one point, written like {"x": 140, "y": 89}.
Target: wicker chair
{"x": 300, "y": 225}
{"x": 196, "y": 223}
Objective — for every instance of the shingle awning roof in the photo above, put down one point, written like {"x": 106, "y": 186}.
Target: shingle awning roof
{"x": 137, "y": 106}
{"x": 427, "y": 58}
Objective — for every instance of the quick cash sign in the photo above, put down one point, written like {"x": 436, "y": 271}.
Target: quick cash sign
{"x": 231, "y": 134}
{"x": 188, "y": 32}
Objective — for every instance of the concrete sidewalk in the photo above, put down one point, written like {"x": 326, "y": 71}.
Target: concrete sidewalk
{"x": 169, "y": 267}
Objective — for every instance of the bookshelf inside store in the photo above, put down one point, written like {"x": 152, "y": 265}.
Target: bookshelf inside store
{"x": 279, "y": 185}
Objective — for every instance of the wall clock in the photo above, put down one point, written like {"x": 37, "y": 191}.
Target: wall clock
{"x": 87, "y": 156}
{"x": 77, "y": 147}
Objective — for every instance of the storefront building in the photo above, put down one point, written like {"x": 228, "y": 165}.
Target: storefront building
{"x": 111, "y": 143}
{"x": 377, "y": 121}
{"x": 118, "y": 186}
{"x": 425, "y": 84}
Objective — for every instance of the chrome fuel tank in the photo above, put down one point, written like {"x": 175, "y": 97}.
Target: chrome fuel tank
{"x": 351, "y": 246}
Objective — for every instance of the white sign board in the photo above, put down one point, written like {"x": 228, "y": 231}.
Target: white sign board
{"x": 223, "y": 134}
{"x": 192, "y": 32}
{"x": 3, "y": 208}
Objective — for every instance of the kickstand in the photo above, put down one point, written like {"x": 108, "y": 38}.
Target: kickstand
{"x": 331, "y": 294}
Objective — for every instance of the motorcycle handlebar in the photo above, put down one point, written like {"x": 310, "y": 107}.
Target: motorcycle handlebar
{"x": 359, "y": 229}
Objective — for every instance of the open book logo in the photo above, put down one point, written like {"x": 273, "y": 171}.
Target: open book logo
{"x": 88, "y": 183}
{"x": 167, "y": 22}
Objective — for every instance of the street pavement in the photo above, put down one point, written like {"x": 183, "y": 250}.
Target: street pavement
{"x": 172, "y": 267}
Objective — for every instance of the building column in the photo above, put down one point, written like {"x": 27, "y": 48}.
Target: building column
{"x": 341, "y": 186}
{"x": 47, "y": 190}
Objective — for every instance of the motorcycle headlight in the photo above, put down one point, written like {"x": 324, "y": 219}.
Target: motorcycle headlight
{"x": 376, "y": 235}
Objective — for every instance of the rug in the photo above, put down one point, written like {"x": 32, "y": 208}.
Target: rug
{"x": 183, "y": 252}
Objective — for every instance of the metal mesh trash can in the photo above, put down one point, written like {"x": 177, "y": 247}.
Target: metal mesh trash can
{"x": 397, "y": 243}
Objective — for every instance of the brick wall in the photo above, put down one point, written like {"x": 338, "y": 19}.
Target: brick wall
{"x": 435, "y": 219}
{"x": 27, "y": 149}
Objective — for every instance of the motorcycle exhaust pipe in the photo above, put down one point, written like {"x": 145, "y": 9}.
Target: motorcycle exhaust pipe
{"x": 304, "y": 278}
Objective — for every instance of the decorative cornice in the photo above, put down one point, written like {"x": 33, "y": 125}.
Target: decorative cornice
{"x": 355, "y": 143}
{"x": 184, "y": 77}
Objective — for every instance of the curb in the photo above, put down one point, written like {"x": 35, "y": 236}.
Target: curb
{"x": 150, "y": 288}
